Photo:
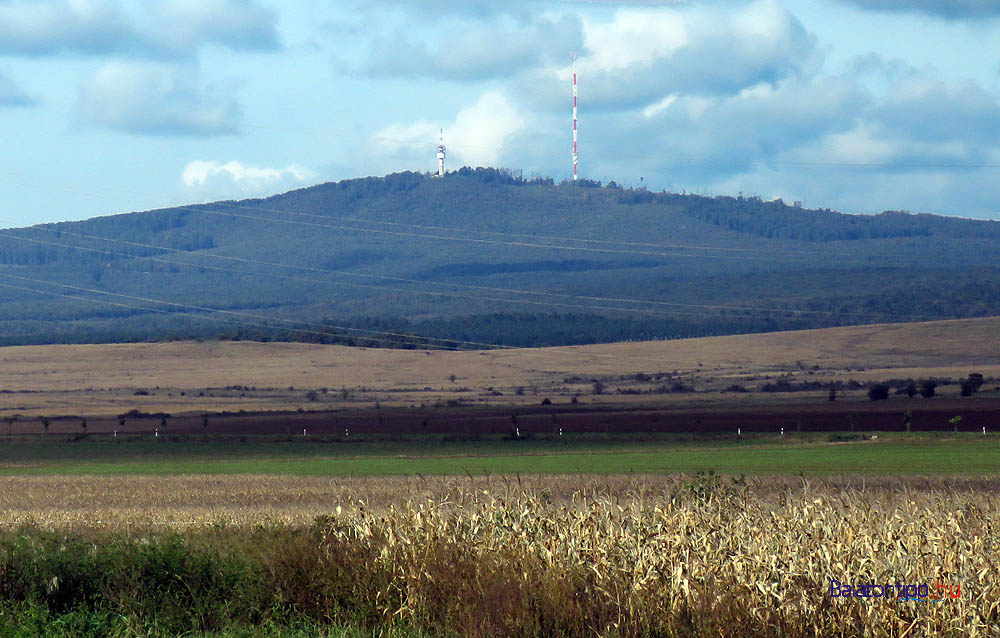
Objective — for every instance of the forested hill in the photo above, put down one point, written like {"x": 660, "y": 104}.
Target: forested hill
{"x": 485, "y": 256}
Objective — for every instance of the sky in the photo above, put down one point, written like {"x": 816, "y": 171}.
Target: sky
{"x": 861, "y": 106}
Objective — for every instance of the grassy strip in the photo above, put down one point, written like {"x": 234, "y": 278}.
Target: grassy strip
{"x": 35, "y": 620}
{"x": 913, "y": 456}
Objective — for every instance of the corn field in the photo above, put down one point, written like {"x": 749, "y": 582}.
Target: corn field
{"x": 621, "y": 556}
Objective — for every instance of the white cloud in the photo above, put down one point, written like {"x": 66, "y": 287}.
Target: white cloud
{"x": 157, "y": 99}
{"x": 476, "y": 137}
{"x": 633, "y": 37}
{"x": 212, "y": 179}
{"x": 653, "y": 109}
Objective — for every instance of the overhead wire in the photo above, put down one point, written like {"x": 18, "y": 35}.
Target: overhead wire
{"x": 201, "y": 208}
{"x": 352, "y": 284}
{"x": 717, "y": 307}
{"x": 191, "y": 307}
{"x": 508, "y": 234}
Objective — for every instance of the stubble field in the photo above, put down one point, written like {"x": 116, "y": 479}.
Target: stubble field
{"x": 199, "y": 377}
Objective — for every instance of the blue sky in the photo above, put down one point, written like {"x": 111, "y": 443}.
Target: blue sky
{"x": 856, "y": 105}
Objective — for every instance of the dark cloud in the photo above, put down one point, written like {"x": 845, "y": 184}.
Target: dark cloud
{"x": 432, "y": 10}
{"x": 153, "y": 29}
{"x": 481, "y": 49}
{"x": 714, "y": 59}
{"x": 951, "y": 9}
{"x": 713, "y": 137}
{"x": 156, "y": 99}
{"x": 932, "y": 112}
{"x": 11, "y": 94}
{"x": 718, "y": 64}
{"x": 57, "y": 26}
{"x": 236, "y": 24}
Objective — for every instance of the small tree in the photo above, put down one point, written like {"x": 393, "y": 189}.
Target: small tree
{"x": 833, "y": 395}
{"x": 907, "y": 420}
{"x": 911, "y": 388}
{"x": 927, "y": 388}
{"x": 83, "y": 426}
{"x": 598, "y": 387}
{"x": 45, "y": 424}
{"x": 955, "y": 420}
{"x": 10, "y": 424}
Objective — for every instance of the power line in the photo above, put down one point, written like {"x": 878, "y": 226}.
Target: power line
{"x": 199, "y": 208}
{"x": 718, "y": 307}
{"x": 519, "y": 235}
{"x": 253, "y": 316}
{"x": 356, "y": 285}
{"x": 201, "y": 316}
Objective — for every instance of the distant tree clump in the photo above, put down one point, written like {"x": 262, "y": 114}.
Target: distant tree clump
{"x": 878, "y": 392}
{"x": 927, "y": 388}
{"x": 971, "y": 385}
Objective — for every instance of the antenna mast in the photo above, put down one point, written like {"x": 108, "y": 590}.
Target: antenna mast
{"x": 576, "y": 155}
{"x": 441, "y": 155}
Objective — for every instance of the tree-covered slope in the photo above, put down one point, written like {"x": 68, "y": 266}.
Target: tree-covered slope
{"x": 485, "y": 256}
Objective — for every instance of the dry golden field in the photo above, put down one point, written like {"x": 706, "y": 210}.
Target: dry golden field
{"x": 215, "y": 376}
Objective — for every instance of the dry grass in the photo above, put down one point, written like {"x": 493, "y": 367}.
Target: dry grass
{"x": 56, "y": 379}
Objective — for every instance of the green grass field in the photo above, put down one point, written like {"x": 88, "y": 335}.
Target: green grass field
{"x": 811, "y": 455}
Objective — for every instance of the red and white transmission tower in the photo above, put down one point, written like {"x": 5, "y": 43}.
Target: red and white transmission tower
{"x": 576, "y": 155}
